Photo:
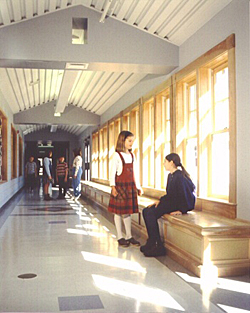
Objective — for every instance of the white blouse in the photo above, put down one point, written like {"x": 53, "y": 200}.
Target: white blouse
{"x": 117, "y": 167}
{"x": 77, "y": 163}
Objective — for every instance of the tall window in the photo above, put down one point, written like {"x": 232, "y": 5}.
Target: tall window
{"x": 187, "y": 124}
{"x": 125, "y": 122}
{"x": 87, "y": 159}
{"x": 103, "y": 149}
{"x": 111, "y": 140}
{"x": 3, "y": 147}
{"x": 13, "y": 153}
{"x": 95, "y": 154}
{"x": 220, "y": 133}
{"x": 148, "y": 144}
{"x": 135, "y": 129}
{"x": 20, "y": 156}
{"x": 191, "y": 123}
{"x": 162, "y": 137}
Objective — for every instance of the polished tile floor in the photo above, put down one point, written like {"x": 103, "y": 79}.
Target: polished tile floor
{"x": 67, "y": 255}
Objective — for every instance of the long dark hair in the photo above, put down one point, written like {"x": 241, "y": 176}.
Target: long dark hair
{"x": 177, "y": 162}
{"x": 77, "y": 151}
{"x": 120, "y": 145}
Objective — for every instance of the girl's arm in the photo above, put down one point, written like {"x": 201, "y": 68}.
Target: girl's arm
{"x": 113, "y": 170}
{"x": 78, "y": 164}
{"x": 46, "y": 166}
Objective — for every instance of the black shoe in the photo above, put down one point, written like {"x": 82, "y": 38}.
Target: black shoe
{"x": 156, "y": 250}
{"x": 134, "y": 242}
{"x": 149, "y": 244}
{"x": 123, "y": 242}
{"x": 48, "y": 198}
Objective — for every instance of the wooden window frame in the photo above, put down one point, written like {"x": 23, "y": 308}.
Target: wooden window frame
{"x": 13, "y": 152}
{"x": 20, "y": 159}
{"x": 4, "y": 148}
{"x": 204, "y": 66}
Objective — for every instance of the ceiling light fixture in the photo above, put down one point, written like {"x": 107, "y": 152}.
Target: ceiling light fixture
{"x": 76, "y": 66}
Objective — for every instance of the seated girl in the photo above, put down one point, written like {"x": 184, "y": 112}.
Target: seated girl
{"x": 178, "y": 200}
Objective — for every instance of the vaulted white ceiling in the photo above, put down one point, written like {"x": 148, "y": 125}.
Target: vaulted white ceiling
{"x": 173, "y": 21}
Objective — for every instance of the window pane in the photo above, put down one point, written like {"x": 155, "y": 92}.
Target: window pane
{"x": 221, "y": 100}
{"x": 192, "y": 159}
{"x": 192, "y": 98}
{"x": 192, "y": 124}
{"x": 221, "y": 85}
{"x": 221, "y": 115}
{"x": 220, "y": 164}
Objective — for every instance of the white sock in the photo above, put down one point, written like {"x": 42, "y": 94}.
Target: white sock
{"x": 127, "y": 224}
{"x": 118, "y": 225}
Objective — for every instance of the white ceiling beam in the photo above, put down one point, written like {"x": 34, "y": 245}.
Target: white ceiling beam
{"x": 120, "y": 91}
{"x": 105, "y": 89}
{"x": 40, "y": 7}
{"x": 17, "y": 11}
{"x": 52, "y": 5}
{"x": 5, "y": 12}
{"x": 68, "y": 81}
{"x": 29, "y": 8}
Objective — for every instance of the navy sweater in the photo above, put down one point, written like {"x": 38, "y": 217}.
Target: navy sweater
{"x": 180, "y": 193}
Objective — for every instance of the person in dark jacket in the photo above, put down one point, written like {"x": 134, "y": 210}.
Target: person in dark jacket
{"x": 178, "y": 200}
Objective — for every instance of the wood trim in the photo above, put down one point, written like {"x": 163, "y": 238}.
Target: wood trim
{"x": 131, "y": 107}
{"x": 4, "y": 169}
{"x": 217, "y": 207}
{"x": 232, "y": 127}
{"x": 223, "y": 46}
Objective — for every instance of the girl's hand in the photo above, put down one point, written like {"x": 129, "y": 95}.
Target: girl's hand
{"x": 139, "y": 192}
{"x": 176, "y": 213}
{"x": 114, "y": 191}
{"x": 154, "y": 204}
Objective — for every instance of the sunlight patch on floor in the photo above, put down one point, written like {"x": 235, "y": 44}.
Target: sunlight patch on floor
{"x": 112, "y": 261}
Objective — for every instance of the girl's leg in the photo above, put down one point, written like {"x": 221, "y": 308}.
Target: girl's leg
{"x": 127, "y": 224}
{"x": 118, "y": 225}
{"x": 151, "y": 224}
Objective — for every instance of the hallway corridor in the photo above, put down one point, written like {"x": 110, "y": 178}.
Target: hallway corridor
{"x": 72, "y": 251}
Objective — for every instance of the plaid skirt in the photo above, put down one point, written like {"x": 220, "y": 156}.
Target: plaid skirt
{"x": 126, "y": 201}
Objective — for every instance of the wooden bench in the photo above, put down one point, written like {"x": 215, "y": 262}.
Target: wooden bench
{"x": 199, "y": 241}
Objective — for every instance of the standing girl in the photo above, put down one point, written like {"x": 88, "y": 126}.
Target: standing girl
{"x": 125, "y": 186}
{"x": 77, "y": 173}
{"x": 179, "y": 199}
{"x": 47, "y": 175}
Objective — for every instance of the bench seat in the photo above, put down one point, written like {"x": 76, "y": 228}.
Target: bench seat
{"x": 199, "y": 241}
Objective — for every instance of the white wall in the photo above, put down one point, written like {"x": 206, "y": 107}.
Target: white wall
{"x": 233, "y": 19}
{"x": 9, "y": 188}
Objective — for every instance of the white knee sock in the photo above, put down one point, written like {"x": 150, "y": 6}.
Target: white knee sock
{"x": 127, "y": 224}
{"x": 118, "y": 225}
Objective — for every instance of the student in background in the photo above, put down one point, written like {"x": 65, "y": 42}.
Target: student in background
{"x": 47, "y": 175}
{"x": 124, "y": 182}
{"x": 178, "y": 200}
{"x": 31, "y": 173}
{"x": 77, "y": 173}
{"x": 62, "y": 177}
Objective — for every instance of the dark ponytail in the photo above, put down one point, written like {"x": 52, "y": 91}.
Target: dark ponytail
{"x": 177, "y": 161}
